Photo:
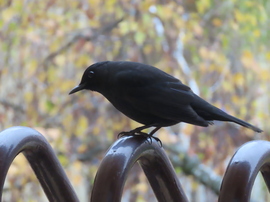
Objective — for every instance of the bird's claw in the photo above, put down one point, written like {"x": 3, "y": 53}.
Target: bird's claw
{"x": 124, "y": 134}
{"x": 150, "y": 137}
{"x": 130, "y": 133}
{"x": 158, "y": 140}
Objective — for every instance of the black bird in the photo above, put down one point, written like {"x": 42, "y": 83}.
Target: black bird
{"x": 150, "y": 96}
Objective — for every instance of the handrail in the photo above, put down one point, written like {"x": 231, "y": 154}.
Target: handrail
{"x": 42, "y": 159}
{"x": 242, "y": 170}
{"x": 120, "y": 158}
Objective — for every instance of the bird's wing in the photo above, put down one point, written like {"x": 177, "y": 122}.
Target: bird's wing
{"x": 132, "y": 74}
{"x": 167, "y": 100}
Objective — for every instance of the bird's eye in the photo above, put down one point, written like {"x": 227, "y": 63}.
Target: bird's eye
{"x": 90, "y": 74}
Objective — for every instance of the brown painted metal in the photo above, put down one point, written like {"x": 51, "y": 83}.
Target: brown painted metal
{"x": 41, "y": 158}
{"x": 243, "y": 168}
{"x": 120, "y": 158}
{"x": 252, "y": 158}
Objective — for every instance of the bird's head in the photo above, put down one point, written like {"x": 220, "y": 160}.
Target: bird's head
{"x": 92, "y": 77}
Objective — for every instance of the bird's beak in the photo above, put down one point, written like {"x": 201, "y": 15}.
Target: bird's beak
{"x": 76, "y": 89}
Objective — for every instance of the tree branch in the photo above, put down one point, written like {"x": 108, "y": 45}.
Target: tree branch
{"x": 16, "y": 108}
{"x": 192, "y": 166}
{"x": 107, "y": 28}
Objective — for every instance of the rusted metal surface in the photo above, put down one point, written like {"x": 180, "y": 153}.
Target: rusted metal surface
{"x": 243, "y": 168}
{"x": 120, "y": 158}
{"x": 41, "y": 158}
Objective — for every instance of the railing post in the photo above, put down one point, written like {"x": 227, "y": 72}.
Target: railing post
{"x": 120, "y": 158}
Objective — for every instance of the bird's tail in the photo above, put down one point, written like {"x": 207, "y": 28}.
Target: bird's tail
{"x": 242, "y": 123}
{"x": 215, "y": 113}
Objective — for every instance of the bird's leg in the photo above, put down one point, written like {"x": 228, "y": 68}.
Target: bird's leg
{"x": 152, "y": 133}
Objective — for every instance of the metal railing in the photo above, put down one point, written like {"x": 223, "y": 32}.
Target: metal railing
{"x": 242, "y": 170}
{"x": 237, "y": 183}
{"x": 42, "y": 159}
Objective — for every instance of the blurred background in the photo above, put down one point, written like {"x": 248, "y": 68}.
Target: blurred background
{"x": 221, "y": 49}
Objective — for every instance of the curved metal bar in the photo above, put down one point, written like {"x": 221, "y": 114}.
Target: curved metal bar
{"x": 41, "y": 158}
{"x": 243, "y": 168}
{"x": 120, "y": 158}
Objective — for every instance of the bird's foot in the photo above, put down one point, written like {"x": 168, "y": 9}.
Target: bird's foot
{"x": 149, "y": 138}
{"x": 146, "y": 135}
{"x": 157, "y": 139}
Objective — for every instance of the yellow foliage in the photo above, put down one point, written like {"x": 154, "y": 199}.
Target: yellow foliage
{"x": 54, "y": 46}
{"x": 82, "y": 148}
{"x": 204, "y": 52}
{"x": 165, "y": 136}
{"x": 66, "y": 86}
{"x": 247, "y": 54}
{"x": 49, "y": 133}
{"x": 8, "y": 14}
{"x": 94, "y": 23}
{"x": 265, "y": 75}
{"x": 139, "y": 37}
{"x": 188, "y": 129}
{"x": 239, "y": 16}
{"x": 109, "y": 3}
{"x": 227, "y": 86}
{"x": 198, "y": 29}
{"x": 257, "y": 33}
{"x": 238, "y": 78}
{"x": 68, "y": 122}
{"x": 145, "y": 5}
{"x": 28, "y": 96}
{"x": 77, "y": 179}
{"x": 141, "y": 187}
{"x": 60, "y": 60}
{"x": 32, "y": 66}
{"x": 235, "y": 99}
{"x": 235, "y": 26}
{"x": 82, "y": 125}
{"x": 96, "y": 130}
{"x": 124, "y": 28}
{"x": 19, "y": 162}
{"x": 203, "y": 5}
{"x": 267, "y": 55}
{"x": 243, "y": 110}
{"x": 77, "y": 165}
{"x": 247, "y": 59}
{"x": 217, "y": 22}
{"x": 93, "y": 3}
{"x": 83, "y": 61}
{"x": 148, "y": 49}
{"x": 213, "y": 55}
{"x": 63, "y": 160}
